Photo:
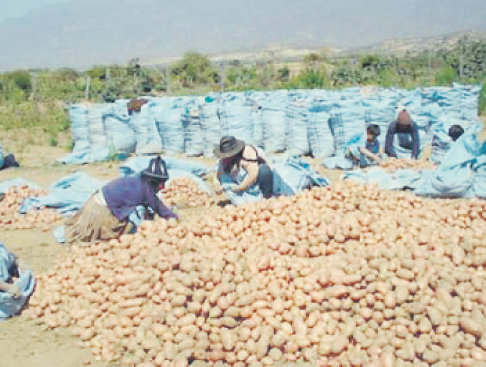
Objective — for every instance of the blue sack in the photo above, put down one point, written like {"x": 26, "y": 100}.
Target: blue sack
{"x": 138, "y": 164}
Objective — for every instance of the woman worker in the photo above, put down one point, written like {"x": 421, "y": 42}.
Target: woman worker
{"x": 234, "y": 155}
{"x": 105, "y": 215}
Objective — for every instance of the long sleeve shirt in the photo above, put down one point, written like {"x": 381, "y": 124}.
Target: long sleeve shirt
{"x": 395, "y": 128}
{"x": 124, "y": 194}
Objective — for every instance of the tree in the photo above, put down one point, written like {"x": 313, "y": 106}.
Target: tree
{"x": 194, "y": 69}
{"x": 21, "y": 80}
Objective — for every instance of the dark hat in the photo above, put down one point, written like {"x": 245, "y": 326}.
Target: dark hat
{"x": 455, "y": 132}
{"x": 229, "y": 146}
{"x": 404, "y": 117}
{"x": 156, "y": 170}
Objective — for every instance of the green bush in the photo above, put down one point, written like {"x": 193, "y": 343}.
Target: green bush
{"x": 446, "y": 75}
{"x": 482, "y": 99}
{"x": 21, "y": 80}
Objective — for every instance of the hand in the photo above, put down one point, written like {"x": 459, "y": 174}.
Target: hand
{"x": 12, "y": 288}
{"x": 229, "y": 187}
{"x": 218, "y": 189}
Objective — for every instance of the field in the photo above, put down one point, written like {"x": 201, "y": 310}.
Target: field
{"x": 25, "y": 342}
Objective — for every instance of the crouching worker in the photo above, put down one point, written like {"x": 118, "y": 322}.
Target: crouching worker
{"x": 407, "y": 136}
{"x": 235, "y": 155}
{"x": 370, "y": 152}
{"x": 16, "y": 283}
{"x": 105, "y": 215}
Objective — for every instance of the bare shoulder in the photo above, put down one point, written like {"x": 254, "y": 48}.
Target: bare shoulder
{"x": 249, "y": 153}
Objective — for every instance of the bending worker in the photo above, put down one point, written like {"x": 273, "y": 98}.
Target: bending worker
{"x": 407, "y": 134}
{"x": 235, "y": 155}
{"x": 105, "y": 214}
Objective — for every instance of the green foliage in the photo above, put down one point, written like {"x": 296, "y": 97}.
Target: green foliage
{"x": 37, "y": 98}
{"x": 482, "y": 99}
{"x": 309, "y": 79}
{"x": 446, "y": 75}
{"x": 21, "y": 80}
{"x": 283, "y": 74}
{"x": 194, "y": 69}
{"x": 239, "y": 76}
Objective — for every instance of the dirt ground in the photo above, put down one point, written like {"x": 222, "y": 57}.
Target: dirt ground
{"x": 22, "y": 342}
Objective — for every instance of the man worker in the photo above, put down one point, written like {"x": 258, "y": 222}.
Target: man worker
{"x": 407, "y": 135}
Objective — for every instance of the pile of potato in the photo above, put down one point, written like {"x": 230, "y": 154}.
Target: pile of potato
{"x": 184, "y": 192}
{"x": 11, "y": 218}
{"x": 393, "y": 164}
{"x": 348, "y": 276}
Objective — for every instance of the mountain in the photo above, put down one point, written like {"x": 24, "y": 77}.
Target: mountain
{"x": 81, "y": 33}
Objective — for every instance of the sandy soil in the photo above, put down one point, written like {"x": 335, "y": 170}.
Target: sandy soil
{"x": 22, "y": 342}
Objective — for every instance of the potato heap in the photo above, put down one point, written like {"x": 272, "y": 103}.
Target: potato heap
{"x": 184, "y": 192}
{"x": 11, "y": 218}
{"x": 393, "y": 164}
{"x": 346, "y": 276}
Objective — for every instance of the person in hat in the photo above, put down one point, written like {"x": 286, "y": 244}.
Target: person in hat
{"x": 407, "y": 134}
{"x": 235, "y": 155}
{"x": 105, "y": 215}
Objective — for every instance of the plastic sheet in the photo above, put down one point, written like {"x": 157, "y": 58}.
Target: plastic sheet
{"x": 9, "y": 305}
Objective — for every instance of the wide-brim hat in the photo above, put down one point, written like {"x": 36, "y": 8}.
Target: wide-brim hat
{"x": 229, "y": 146}
{"x": 156, "y": 170}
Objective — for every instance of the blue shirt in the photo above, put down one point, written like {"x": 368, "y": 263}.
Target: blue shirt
{"x": 124, "y": 194}
{"x": 395, "y": 128}
{"x": 373, "y": 147}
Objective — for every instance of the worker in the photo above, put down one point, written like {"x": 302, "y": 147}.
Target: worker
{"x": 407, "y": 134}
{"x": 369, "y": 152}
{"x": 234, "y": 155}
{"x": 105, "y": 215}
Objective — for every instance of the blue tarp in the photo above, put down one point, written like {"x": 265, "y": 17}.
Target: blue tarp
{"x": 9, "y": 305}
{"x": 68, "y": 194}
{"x": 462, "y": 173}
{"x": 17, "y": 182}
{"x": 397, "y": 180}
{"x": 138, "y": 164}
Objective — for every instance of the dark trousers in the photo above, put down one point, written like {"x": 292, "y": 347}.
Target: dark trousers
{"x": 265, "y": 180}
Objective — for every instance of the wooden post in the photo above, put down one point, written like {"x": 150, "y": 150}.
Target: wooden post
{"x": 33, "y": 86}
{"x": 86, "y": 92}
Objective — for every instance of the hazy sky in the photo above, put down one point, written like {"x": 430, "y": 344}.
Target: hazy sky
{"x": 18, "y": 8}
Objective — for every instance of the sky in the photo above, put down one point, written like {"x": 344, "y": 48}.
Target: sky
{"x": 18, "y": 8}
{"x": 82, "y": 33}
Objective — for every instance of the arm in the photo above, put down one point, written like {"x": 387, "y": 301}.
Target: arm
{"x": 11, "y": 288}
{"x": 390, "y": 135}
{"x": 415, "y": 141}
{"x": 251, "y": 177}
{"x": 368, "y": 154}
{"x": 158, "y": 207}
{"x": 381, "y": 150}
